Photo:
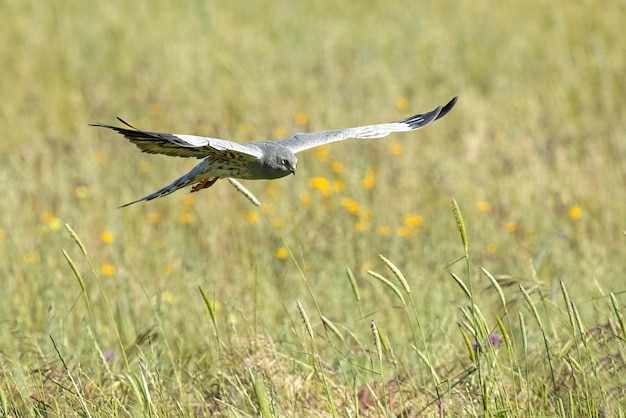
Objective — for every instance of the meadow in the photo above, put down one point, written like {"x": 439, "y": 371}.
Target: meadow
{"x": 472, "y": 268}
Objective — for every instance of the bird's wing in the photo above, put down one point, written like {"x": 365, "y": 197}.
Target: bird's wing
{"x": 177, "y": 145}
{"x": 304, "y": 141}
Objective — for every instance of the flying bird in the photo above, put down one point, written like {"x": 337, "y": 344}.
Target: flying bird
{"x": 253, "y": 160}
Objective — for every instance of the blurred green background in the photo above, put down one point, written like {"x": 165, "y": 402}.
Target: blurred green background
{"x": 533, "y": 153}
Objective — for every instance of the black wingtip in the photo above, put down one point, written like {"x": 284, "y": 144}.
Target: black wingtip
{"x": 106, "y": 125}
{"x": 447, "y": 108}
{"x": 126, "y": 123}
{"x": 125, "y": 205}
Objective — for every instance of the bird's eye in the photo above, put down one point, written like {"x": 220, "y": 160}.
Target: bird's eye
{"x": 283, "y": 161}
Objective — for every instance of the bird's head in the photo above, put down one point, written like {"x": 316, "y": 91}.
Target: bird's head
{"x": 281, "y": 162}
{"x": 288, "y": 162}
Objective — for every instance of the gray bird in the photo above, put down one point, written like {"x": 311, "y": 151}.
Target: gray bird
{"x": 254, "y": 160}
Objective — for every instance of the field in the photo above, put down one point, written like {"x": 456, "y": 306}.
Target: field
{"x": 472, "y": 268}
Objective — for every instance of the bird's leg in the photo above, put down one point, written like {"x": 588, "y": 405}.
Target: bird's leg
{"x": 204, "y": 185}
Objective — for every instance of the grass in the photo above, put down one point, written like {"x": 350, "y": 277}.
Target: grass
{"x": 350, "y": 291}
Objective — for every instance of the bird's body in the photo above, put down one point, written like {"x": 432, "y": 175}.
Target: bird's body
{"x": 254, "y": 160}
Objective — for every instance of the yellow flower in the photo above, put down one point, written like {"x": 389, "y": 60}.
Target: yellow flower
{"x": 31, "y": 258}
{"x": 280, "y": 132}
{"x": 168, "y": 269}
{"x": 491, "y": 248}
{"x": 47, "y": 217}
{"x": 352, "y": 206}
{"x": 384, "y": 230}
{"x": 511, "y": 226}
{"x": 396, "y": 149}
{"x": 483, "y": 206}
{"x": 55, "y": 224}
{"x": 154, "y": 217}
{"x": 300, "y": 118}
{"x": 107, "y": 237}
{"x": 277, "y": 223}
{"x": 270, "y": 189}
{"x": 185, "y": 218}
{"x": 3, "y": 234}
{"x": 281, "y": 253}
{"x": 98, "y": 158}
{"x": 402, "y": 103}
{"x": 189, "y": 200}
{"x": 267, "y": 209}
{"x": 338, "y": 185}
{"x": 368, "y": 265}
{"x": 336, "y": 167}
{"x": 253, "y": 217}
{"x": 403, "y": 231}
{"x": 108, "y": 270}
{"x": 52, "y": 223}
{"x": 413, "y": 221}
{"x": 360, "y": 226}
{"x": 168, "y": 297}
{"x": 321, "y": 184}
{"x": 155, "y": 110}
{"x": 370, "y": 179}
{"x": 305, "y": 198}
{"x": 575, "y": 212}
{"x": 322, "y": 153}
{"x": 81, "y": 192}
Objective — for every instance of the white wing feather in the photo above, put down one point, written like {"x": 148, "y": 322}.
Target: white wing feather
{"x": 304, "y": 141}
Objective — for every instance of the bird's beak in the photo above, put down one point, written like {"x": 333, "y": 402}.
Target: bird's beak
{"x": 292, "y": 168}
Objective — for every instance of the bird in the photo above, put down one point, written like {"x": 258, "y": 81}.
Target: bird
{"x": 253, "y": 160}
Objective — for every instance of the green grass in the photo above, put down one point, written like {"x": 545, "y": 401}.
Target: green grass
{"x": 349, "y": 291}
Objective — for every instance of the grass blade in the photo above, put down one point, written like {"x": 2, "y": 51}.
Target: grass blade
{"x": 76, "y": 239}
{"x": 619, "y": 315}
{"x": 79, "y": 277}
{"x": 244, "y": 191}
{"x": 496, "y": 285}
{"x": 330, "y": 326}
{"x": 388, "y": 283}
{"x": 210, "y": 307}
{"x": 458, "y": 281}
{"x": 305, "y": 319}
{"x": 532, "y": 306}
{"x": 396, "y": 272}
{"x": 505, "y": 335}
{"x": 354, "y": 284}
{"x": 460, "y": 224}
{"x": 260, "y": 394}
{"x": 377, "y": 342}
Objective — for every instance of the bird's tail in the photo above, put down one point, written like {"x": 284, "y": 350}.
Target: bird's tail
{"x": 186, "y": 180}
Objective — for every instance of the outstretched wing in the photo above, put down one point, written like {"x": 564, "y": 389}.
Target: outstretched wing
{"x": 177, "y": 145}
{"x": 304, "y": 141}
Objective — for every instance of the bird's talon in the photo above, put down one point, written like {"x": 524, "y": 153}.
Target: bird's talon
{"x": 203, "y": 185}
